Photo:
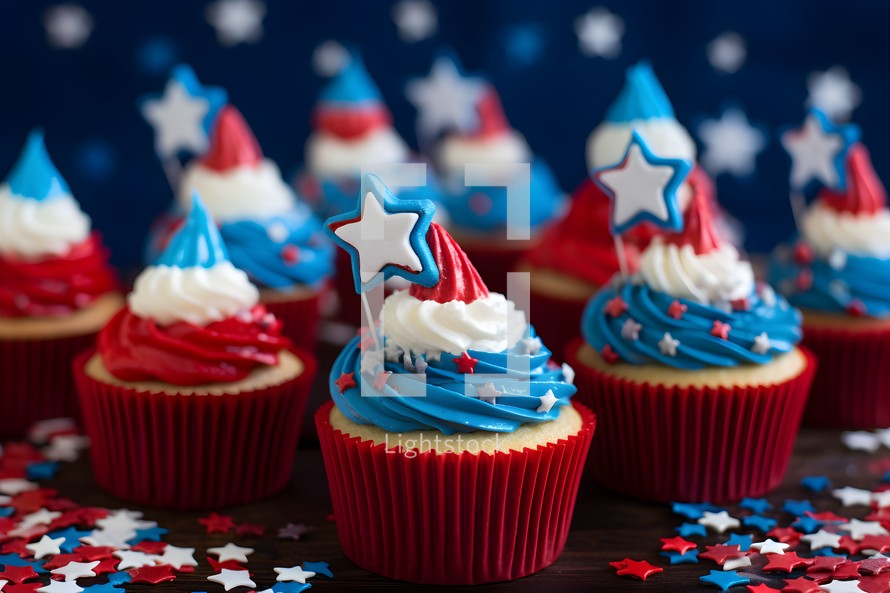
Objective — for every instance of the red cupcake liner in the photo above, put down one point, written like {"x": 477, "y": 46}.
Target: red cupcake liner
{"x": 494, "y": 262}
{"x": 557, "y": 321}
{"x": 36, "y": 382}
{"x": 852, "y": 386}
{"x": 691, "y": 443}
{"x": 299, "y": 318}
{"x": 192, "y": 451}
{"x": 452, "y": 519}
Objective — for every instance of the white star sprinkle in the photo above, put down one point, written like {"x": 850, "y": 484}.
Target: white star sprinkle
{"x": 230, "y": 551}
{"x": 133, "y": 559}
{"x": 860, "y": 440}
{"x": 13, "y": 486}
{"x": 769, "y": 546}
{"x": 727, "y": 52}
{"x": 547, "y": 401}
{"x": 68, "y": 26}
{"x": 859, "y": 529}
{"x": 631, "y": 330}
{"x": 294, "y": 573}
{"x": 762, "y": 344}
{"x": 530, "y": 345}
{"x": 76, "y": 570}
{"x": 812, "y": 153}
{"x": 837, "y": 259}
{"x": 178, "y": 557}
{"x": 237, "y": 21}
{"x": 41, "y": 517}
{"x": 599, "y": 33}
{"x": 416, "y": 20}
{"x": 822, "y": 539}
{"x": 734, "y": 563}
{"x": 667, "y": 345}
{"x": 113, "y": 538}
{"x": 230, "y": 579}
{"x": 851, "y": 586}
{"x": 852, "y": 496}
{"x": 60, "y": 587}
{"x": 445, "y": 100}
{"x": 719, "y": 522}
{"x": 371, "y": 361}
{"x": 834, "y": 93}
{"x": 881, "y": 499}
{"x": 47, "y": 546}
{"x": 125, "y": 520}
{"x": 177, "y": 119}
{"x": 488, "y": 393}
{"x": 569, "y": 373}
{"x": 329, "y": 58}
{"x": 731, "y": 144}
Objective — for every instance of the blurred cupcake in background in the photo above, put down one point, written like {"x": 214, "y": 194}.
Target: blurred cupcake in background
{"x": 577, "y": 255}
{"x": 837, "y": 271}
{"x": 270, "y": 234}
{"x": 57, "y": 290}
{"x": 193, "y": 398}
{"x": 463, "y": 125}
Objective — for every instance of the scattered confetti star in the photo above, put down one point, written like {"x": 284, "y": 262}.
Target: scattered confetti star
{"x": 693, "y": 510}
{"x": 800, "y": 585}
{"x": 720, "y": 553}
{"x": 861, "y": 440}
{"x": 735, "y": 563}
{"x": 756, "y": 505}
{"x": 256, "y": 529}
{"x": 237, "y": 21}
{"x": 833, "y": 92}
{"x": 798, "y": 507}
{"x": 719, "y": 522}
{"x": 60, "y": 587}
{"x": 742, "y": 541}
{"x": 785, "y": 562}
{"x": 294, "y": 531}
{"x": 416, "y": 20}
{"x": 690, "y": 557}
{"x": 731, "y": 144}
{"x": 488, "y": 393}
{"x": 852, "y": 496}
{"x": 668, "y": 345}
{"x": 615, "y": 307}
{"x": 445, "y": 100}
{"x": 230, "y": 551}
{"x": 842, "y": 587}
{"x": 345, "y": 381}
{"x": 294, "y": 573}
{"x": 637, "y": 569}
{"x": 807, "y": 524}
{"x": 76, "y": 570}
{"x": 599, "y": 33}
{"x": 319, "y": 568}
{"x": 690, "y": 529}
{"x": 178, "y": 557}
{"x": 68, "y": 26}
{"x": 677, "y": 309}
{"x": 720, "y": 330}
{"x": 727, "y": 52}
{"x": 329, "y": 58}
{"x": 822, "y": 539}
{"x": 859, "y": 529}
{"x": 47, "y": 546}
{"x": 770, "y": 546}
{"x": 677, "y": 544}
{"x": 230, "y": 579}
{"x": 153, "y": 574}
{"x": 724, "y": 580}
{"x": 17, "y": 574}
{"x": 547, "y": 402}
{"x": 569, "y": 373}
{"x": 133, "y": 559}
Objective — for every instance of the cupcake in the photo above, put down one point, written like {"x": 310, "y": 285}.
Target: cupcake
{"x": 576, "y": 256}
{"x": 352, "y": 131}
{"x": 691, "y": 367}
{"x": 270, "y": 234}
{"x": 478, "y": 214}
{"x": 450, "y": 404}
{"x": 193, "y": 398}
{"x": 56, "y": 293}
{"x": 837, "y": 271}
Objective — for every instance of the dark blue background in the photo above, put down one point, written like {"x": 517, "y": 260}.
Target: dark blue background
{"x": 86, "y": 97}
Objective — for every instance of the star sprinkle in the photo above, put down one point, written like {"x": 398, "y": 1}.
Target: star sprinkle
{"x": 215, "y": 523}
{"x": 529, "y": 345}
{"x": 719, "y": 522}
{"x": 60, "y": 587}
{"x": 833, "y": 92}
{"x": 770, "y": 546}
{"x": 815, "y": 483}
{"x": 720, "y": 329}
{"x": 616, "y": 306}
{"x": 693, "y": 510}
{"x": 677, "y": 544}
{"x": 786, "y": 562}
{"x": 319, "y": 568}
{"x": 807, "y": 524}
{"x": 643, "y": 187}
{"x": 842, "y": 587}
{"x": 859, "y": 529}
{"x": 721, "y": 553}
{"x": 800, "y": 585}
{"x": 759, "y": 522}
{"x": 599, "y": 33}
{"x": 761, "y": 588}
{"x": 231, "y": 552}
{"x": 130, "y": 559}
{"x": 677, "y": 309}
{"x": 294, "y": 531}
{"x": 104, "y": 588}
{"x": 797, "y": 507}
{"x": 488, "y": 393}
{"x": 668, "y": 345}
{"x": 762, "y": 344}
{"x": 822, "y": 539}
{"x": 446, "y": 99}
{"x": 237, "y": 21}
{"x": 76, "y": 570}
{"x": 17, "y": 574}
{"x": 294, "y": 573}
{"x": 690, "y": 557}
{"x": 631, "y": 330}
{"x": 756, "y": 505}
{"x": 124, "y": 520}
{"x": 731, "y": 144}
{"x": 690, "y": 529}
{"x": 230, "y": 579}
{"x": 641, "y": 570}
{"x": 46, "y": 546}
{"x": 724, "y": 580}
{"x": 547, "y": 402}
{"x": 852, "y": 496}
{"x": 735, "y": 563}
{"x": 466, "y": 364}
{"x": 154, "y": 574}
{"x": 416, "y": 20}
{"x": 345, "y": 381}
{"x": 818, "y": 151}
{"x": 742, "y": 541}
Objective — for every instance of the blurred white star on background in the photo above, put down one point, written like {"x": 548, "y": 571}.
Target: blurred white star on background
{"x": 445, "y": 99}
{"x": 237, "y": 21}
{"x": 416, "y": 19}
{"x": 834, "y": 93}
{"x": 727, "y": 52}
{"x": 731, "y": 143}
{"x": 329, "y": 58}
{"x": 68, "y": 26}
{"x": 599, "y": 33}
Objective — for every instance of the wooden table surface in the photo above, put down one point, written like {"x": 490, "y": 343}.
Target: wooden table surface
{"x": 606, "y": 527}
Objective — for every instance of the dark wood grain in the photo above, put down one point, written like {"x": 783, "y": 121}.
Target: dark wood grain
{"x": 606, "y": 527}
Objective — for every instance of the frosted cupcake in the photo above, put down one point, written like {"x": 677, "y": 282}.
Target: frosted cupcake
{"x": 269, "y": 232}
{"x": 57, "y": 290}
{"x": 453, "y": 403}
{"x": 693, "y": 372}
{"x": 193, "y": 398}
{"x": 838, "y": 272}
{"x": 576, "y": 256}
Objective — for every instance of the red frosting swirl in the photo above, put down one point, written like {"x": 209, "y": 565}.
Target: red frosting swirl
{"x": 55, "y": 286}
{"x": 865, "y": 193}
{"x": 137, "y": 349}
{"x": 458, "y": 278}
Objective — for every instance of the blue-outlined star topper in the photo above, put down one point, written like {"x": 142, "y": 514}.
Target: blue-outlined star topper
{"x": 643, "y": 187}
{"x": 385, "y": 237}
{"x": 818, "y": 151}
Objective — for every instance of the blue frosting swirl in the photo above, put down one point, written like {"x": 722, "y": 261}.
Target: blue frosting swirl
{"x": 485, "y": 208}
{"x": 697, "y": 348}
{"x": 836, "y": 286}
{"x": 451, "y": 402}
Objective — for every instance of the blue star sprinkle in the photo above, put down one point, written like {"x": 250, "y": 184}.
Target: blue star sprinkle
{"x": 798, "y": 508}
{"x": 690, "y": 529}
{"x": 119, "y": 578}
{"x": 6, "y": 511}
{"x": 694, "y": 511}
{"x": 72, "y": 538}
{"x": 886, "y": 478}
{"x": 742, "y": 541}
{"x": 152, "y": 534}
{"x": 759, "y": 522}
{"x": 807, "y": 524}
{"x": 16, "y": 560}
{"x": 756, "y": 505}
{"x": 690, "y": 557}
{"x": 816, "y": 483}
{"x": 723, "y": 580}
{"x": 322, "y": 568}
{"x": 44, "y": 470}
{"x": 290, "y": 587}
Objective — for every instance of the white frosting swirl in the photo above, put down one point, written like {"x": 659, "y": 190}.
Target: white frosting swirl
{"x": 666, "y": 138}
{"x": 491, "y": 324}
{"x": 35, "y": 229}
{"x": 237, "y": 194}
{"x": 827, "y": 230}
{"x": 330, "y": 156}
{"x": 457, "y": 151}
{"x": 195, "y": 295}
{"x": 715, "y": 277}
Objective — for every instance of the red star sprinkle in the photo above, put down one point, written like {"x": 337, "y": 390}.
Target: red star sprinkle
{"x": 149, "y": 547}
{"x": 721, "y": 553}
{"x": 90, "y": 553}
{"x": 16, "y": 546}
{"x": 849, "y": 545}
{"x": 60, "y": 560}
{"x": 677, "y": 309}
{"x": 825, "y": 564}
{"x": 215, "y": 523}
{"x": 786, "y": 562}
{"x": 677, "y": 544}
{"x": 89, "y": 515}
{"x": 346, "y": 381}
{"x": 609, "y": 355}
{"x": 826, "y": 517}
{"x": 106, "y": 565}
{"x": 800, "y": 585}
{"x": 856, "y": 308}
{"x": 466, "y": 364}
{"x": 742, "y": 304}
{"x": 803, "y": 254}
{"x": 720, "y": 329}
{"x": 290, "y": 254}
{"x": 881, "y": 543}
{"x": 381, "y": 379}
{"x": 870, "y": 584}
{"x": 637, "y": 569}
{"x": 847, "y": 570}
{"x": 785, "y": 535}
{"x": 152, "y": 574}
{"x": 804, "y": 280}
{"x": 31, "y": 501}
{"x": 256, "y": 529}
{"x": 761, "y": 588}
{"x": 17, "y": 574}
{"x": 615, "y": 307}
{"x": 217, "y": 566}
{"x": 873, "y": 566}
